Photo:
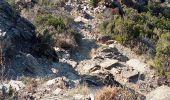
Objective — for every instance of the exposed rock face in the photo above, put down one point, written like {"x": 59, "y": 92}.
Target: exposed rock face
{"x": 18, "y": 33}
{"x": 16, "y": 27}
{"x": 18, "y": 37}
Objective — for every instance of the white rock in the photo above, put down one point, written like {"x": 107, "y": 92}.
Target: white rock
{"x": 137, "y": 65}
{"x": 79, "y": 97}
{"x": 81, "y": 19}
{"x": 114, "y": 71}
{"x": 112, "y": 46}
{"x": 57, "y": 91}
{"x": 108, "y": 62}
{"x": 72, "y": 63}
{"x": 91, "y": 96}
{"x": 4, "y": 87}
{"x": 78, "y": 19}
{"x": 17, "y": 85}
{"x": 50, "y": 82}
{"x": 160, "y": 93}
{"x": 54, "y": 70}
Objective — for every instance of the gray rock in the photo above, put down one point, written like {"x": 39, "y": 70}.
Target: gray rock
{"x": 107, "y": 63}
{"x": 26, "y": 63}
{"x": 72, "y": 76}
{"x": 16, "y": 27}
{"x": 130, "y": 76}
{"x": 60, "y": 82}
{"x": 87, "y": 68}
{"x": 62, "y": 54}
{"x": 137, "y": 65}
{"x": 107, "y": 52}
{"x": 160, "y": 93}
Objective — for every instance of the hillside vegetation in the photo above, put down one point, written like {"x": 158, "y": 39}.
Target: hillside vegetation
{"x": 143, "y": 31}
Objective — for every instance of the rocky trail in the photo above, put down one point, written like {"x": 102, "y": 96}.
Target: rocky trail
{"x": 98, "y": 61}
{"x": 99, "y": 64}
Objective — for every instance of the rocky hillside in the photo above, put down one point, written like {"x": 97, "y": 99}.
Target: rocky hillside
{"x": 56, "y": 51}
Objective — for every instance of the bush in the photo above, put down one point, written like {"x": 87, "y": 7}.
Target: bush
{"x": 94, "y": 3}
{"x": 58, "y": 31}
{"x": 163, "y": 54}
{"x": 143, "y": 28}
{"x": 49, "y": 20}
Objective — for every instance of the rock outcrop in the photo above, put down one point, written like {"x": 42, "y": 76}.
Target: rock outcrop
{"x": 16, "y": 27}
{"x": 18, "y": 41}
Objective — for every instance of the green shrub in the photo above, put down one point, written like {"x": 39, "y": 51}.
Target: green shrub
{"x": 135, "y": 26}
{"x": 51, "y": 3}
{"x": 94, "y": 3}
{"x": 57, "y": 31}
{"x": 49, "y": 20}
{"x": 163, "y": 54}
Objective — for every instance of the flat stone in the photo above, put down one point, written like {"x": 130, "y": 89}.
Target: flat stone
{"x": 90, "y": 67}
{"x": 81, "y": 19}
{"x": 130, "y": 74}
{"x": 160, "y": 93}
{"x": 108, "y": 63}
{"x": 137, "y": 65}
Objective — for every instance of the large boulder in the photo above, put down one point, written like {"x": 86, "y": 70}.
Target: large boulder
{"x": 160, "y": 93}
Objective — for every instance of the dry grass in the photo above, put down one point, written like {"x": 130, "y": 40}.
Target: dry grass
{"x": 31, "y": 86}
{"x": 114, "y": 93}
{"x": 107, "y": 93}
{"x": 80, "y": 89}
